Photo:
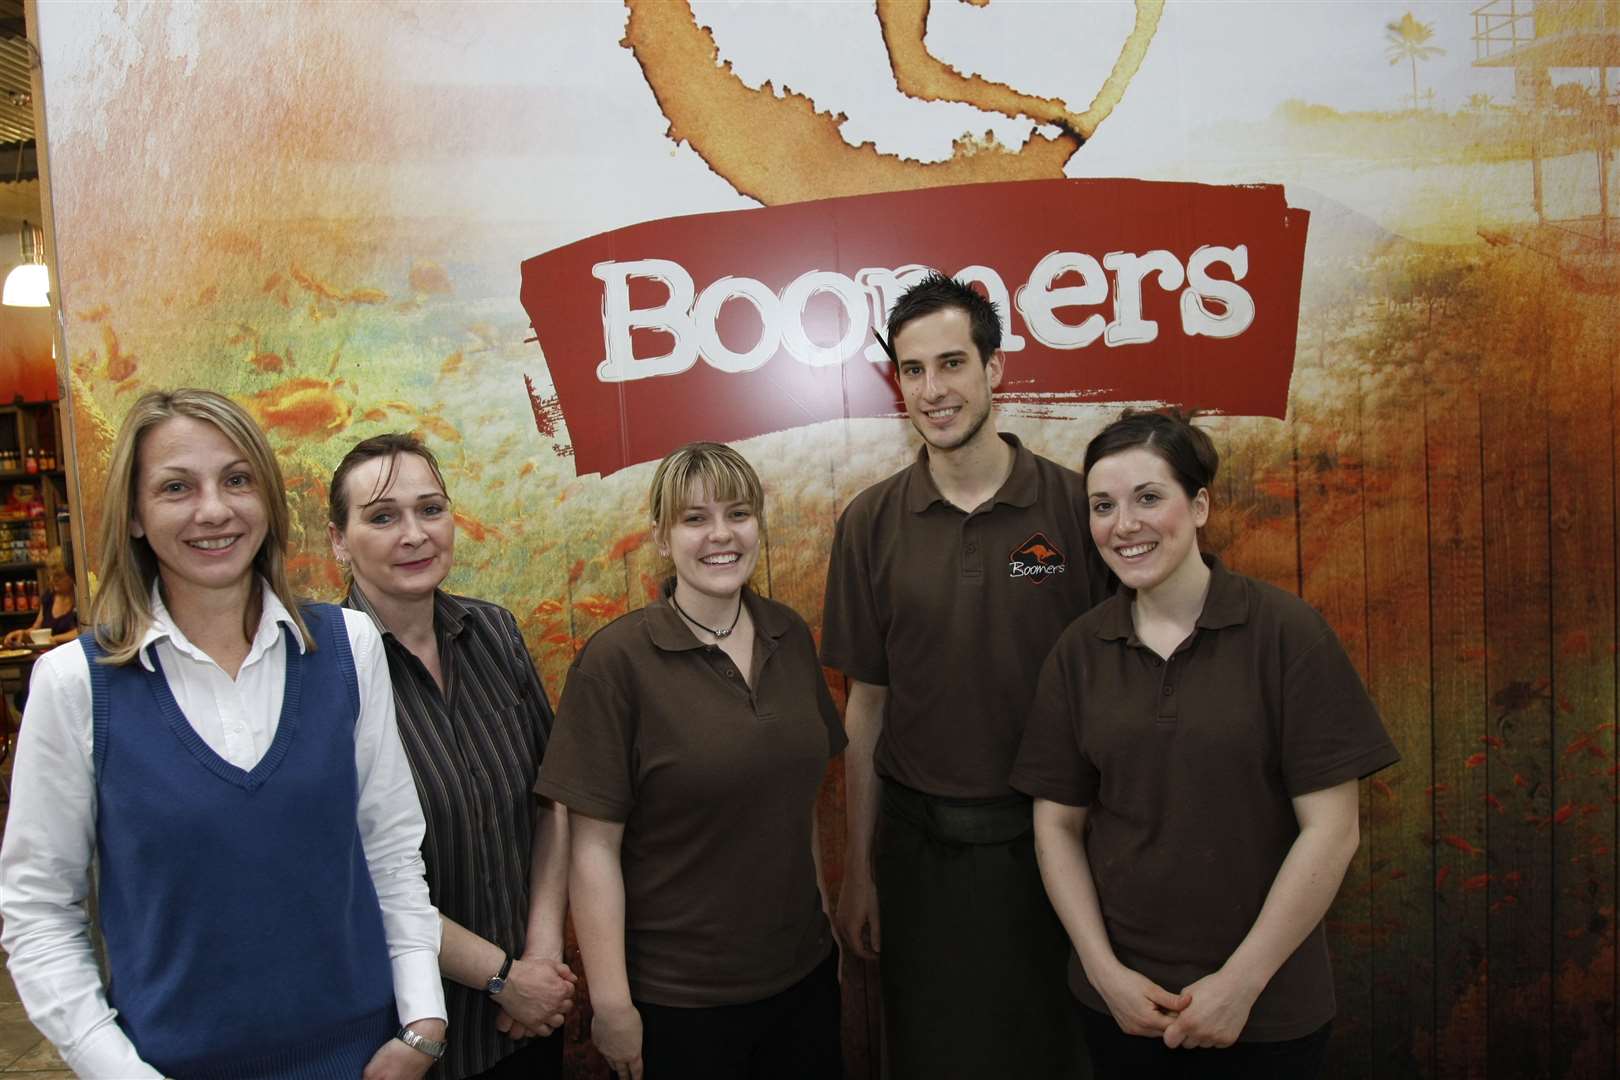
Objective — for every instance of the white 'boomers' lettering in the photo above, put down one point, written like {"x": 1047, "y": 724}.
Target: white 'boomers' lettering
{"x": 1210, "y": 306}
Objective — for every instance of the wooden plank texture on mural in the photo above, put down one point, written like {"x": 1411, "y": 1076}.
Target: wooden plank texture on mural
{"x": 1254, "y": 513}
{"x": 1518, "y": 881}
{"x": 1580, "y": 427}
{"x": 1458, "y": 794}
{"x": 1326, "y": 411}
{"x": 1400, "y": 863}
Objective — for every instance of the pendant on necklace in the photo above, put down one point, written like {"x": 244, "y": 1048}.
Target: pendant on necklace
{"x": 715, "y": 632}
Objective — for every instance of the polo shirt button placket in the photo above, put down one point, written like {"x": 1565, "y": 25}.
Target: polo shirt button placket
{"x": 1168, "y": 712}
{"x": 972, "y": 566}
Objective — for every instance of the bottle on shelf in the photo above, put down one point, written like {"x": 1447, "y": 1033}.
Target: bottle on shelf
{"x": 10, "y": 602}
{"x": 32, "y": 466}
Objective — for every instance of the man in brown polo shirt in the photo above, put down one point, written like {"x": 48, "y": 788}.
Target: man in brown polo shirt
{"x": 949, "y": 583}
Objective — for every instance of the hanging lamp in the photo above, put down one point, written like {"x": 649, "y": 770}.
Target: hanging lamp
{"x": 28, "y": 284}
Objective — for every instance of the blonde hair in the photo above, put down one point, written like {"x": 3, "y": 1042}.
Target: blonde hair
{"x": 711, "y": 468}
{"x": 56, "y": 563}
{"x": 121, "y": 611}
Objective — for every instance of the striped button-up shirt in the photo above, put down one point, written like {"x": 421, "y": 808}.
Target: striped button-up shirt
{"x": 475, "y": 751}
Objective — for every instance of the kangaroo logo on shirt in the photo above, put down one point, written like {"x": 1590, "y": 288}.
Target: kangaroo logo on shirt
{"x": 1037, "y": 559}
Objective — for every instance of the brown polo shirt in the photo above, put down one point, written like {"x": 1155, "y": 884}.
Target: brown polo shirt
{"x": 954, "y": 611}
{"x": 1188, "y": 766}
{"x": 715, "y": 781}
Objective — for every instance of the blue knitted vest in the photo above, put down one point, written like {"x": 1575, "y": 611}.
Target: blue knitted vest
{"x": 244, "y": 937}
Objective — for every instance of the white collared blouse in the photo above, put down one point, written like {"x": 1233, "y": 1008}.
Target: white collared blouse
{"x": 51, "y": 829}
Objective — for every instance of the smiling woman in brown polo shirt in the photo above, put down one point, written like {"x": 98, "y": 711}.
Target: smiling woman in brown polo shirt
{"x": 1193, "y": 751}
{"x": 691, "y": 739}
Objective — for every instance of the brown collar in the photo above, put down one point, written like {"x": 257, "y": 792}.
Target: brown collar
{"x": 1021, "y": 488}
{"x": 1226, "y": 604}
{"x": 671, "y": 633}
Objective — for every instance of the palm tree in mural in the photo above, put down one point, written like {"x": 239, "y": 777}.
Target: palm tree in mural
{"x": 1408, "y": 40}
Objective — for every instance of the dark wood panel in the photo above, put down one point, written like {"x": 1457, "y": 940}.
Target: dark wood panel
{"x": 1581, "y": 426}
{"x": 1254, "y": 516}
{"x": 1326, "y": 412}
{"x": 1400, "y": 861}
{"x": 1458, "y": 804}
{"x": 1513, "y": 421}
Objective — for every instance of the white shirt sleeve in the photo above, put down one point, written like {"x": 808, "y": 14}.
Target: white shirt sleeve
{"x": 45, "y": 871}
{"x": 391, "y": 827}
{"x": 49, "y": 845}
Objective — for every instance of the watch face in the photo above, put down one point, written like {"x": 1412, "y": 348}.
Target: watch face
{"x": 496, "y": 985}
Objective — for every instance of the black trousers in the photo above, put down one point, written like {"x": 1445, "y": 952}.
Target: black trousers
{"x": 537, "y": 1059}
{"x": 1118, "y": 1056}
{"x": 793, "y": 1035}
{"x": 973, "y": 960}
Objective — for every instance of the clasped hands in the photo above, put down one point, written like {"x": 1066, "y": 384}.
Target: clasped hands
{"x": 538, "y": 995}
{"x": 1210, "y": 1012}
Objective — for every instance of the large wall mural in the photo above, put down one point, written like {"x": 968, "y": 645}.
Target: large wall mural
{"x": 557, "y": 240}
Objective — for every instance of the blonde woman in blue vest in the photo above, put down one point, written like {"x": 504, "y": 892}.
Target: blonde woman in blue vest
{"x": 228, "y": 757}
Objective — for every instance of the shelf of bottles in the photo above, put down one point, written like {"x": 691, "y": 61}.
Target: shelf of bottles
{"x": 33, "y": 504}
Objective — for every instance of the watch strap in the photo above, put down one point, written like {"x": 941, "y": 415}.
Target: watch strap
{"x": 498, "y": 983}
{"x": 433, "y": 1048}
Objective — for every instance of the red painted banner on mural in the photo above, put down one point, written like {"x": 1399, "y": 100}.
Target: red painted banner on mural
{"x": 729, "y": 325}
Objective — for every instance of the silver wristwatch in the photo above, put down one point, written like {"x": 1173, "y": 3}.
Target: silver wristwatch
{"x": 432, "y": 1048}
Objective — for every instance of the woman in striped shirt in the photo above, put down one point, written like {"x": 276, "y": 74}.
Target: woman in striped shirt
{"x": 475, "y": 720}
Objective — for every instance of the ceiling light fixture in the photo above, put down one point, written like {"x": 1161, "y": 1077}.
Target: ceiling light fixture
{"x": 29, "y": 284}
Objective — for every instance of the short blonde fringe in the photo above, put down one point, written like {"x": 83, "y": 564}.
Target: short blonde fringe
{"x": 704, "y": 468}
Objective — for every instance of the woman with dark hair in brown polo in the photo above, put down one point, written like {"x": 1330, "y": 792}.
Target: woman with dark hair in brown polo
{"x": 1193, "y": 751}
{"x": 474, "y": 720}
{"x": 691, "y": 740}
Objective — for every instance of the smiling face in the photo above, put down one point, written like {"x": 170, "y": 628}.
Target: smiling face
{"x": 200, "y": 508}
{"x": 1142, "y": 520}
{"x": 400, "y": 538}
{"x": 714, "y": 544}
{"x": 946, "y": 386}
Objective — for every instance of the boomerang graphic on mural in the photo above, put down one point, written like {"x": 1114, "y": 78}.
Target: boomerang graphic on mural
{"x": 735, "y": 325}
